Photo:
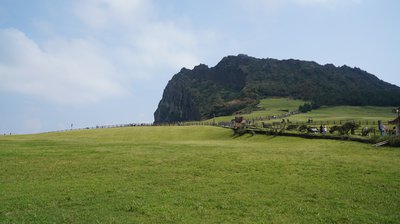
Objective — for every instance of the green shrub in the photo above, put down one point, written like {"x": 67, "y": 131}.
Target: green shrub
{"x": 292, "y": 127}
{"x": 305, "y": 108}
{"x": 375, "y": 139}
{"x": 240, "y": 131}
{"x": 303, "y": 128}
{"x": 392, "y": 140}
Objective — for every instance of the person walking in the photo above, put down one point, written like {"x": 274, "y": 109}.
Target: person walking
{"x": 381, "y": 128}
{"x": 324, "y": 130}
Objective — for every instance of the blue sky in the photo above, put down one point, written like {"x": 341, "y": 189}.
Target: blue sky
{"x": 95, "y": 62}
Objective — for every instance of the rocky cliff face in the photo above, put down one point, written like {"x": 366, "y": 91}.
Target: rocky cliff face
{"x": 236, "y": 83}
{"x": 178, "y": 103}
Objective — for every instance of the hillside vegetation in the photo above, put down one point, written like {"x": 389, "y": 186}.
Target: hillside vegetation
{"x": 192, "y": 175}
{"x": 238, "y": 83}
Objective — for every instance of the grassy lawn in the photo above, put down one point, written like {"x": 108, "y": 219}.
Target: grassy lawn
{"x": 194, "y": 175}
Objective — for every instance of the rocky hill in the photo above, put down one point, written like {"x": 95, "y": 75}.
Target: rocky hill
{"x": 237, "y": 83}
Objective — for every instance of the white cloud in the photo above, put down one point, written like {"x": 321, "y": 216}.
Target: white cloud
{"x": 127, "y": 41}
{"x": 63, "y": 71}
{"x": 102, "y": 13}
{"x": 147, "y": 43}
{"x": 165, "y": 44}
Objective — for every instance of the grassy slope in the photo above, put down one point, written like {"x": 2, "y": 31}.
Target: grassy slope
{"x": 194, "y": 174}
{"x": 274, "y": 106}
{"x": 268, "y": 107}
{"x": 337, "y": 113}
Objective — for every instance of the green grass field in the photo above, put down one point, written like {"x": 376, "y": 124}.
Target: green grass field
{"x": 194, "y": 175}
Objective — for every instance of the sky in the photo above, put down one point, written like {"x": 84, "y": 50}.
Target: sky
{"x": 98, "y": 62}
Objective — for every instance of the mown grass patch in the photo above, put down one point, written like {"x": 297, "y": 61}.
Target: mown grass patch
{"x": 194, "y": 174}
